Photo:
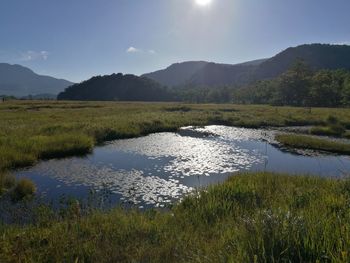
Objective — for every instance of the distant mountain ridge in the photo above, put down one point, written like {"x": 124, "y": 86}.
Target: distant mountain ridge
{"x": 19, "y": 81}
{"x": 317, "y": 56}
{"x": 176, "y": 74}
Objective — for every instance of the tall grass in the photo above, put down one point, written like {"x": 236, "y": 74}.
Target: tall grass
{"x": 309, "y": 142}
{"x": 6, "y": 182}
{"x": 250, "y": 218}
{"x": 16, "y": 189}
{"x": 333, "y": 128}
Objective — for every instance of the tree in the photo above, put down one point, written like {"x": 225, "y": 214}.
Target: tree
{"x": 346, "y": 91}
{"x": 294, "y": 85}
{"x": 325, "y": 89}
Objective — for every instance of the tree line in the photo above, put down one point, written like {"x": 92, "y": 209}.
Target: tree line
{"x": 299, "y": 86}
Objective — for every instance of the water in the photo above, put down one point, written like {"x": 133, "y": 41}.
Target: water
{"x": 156, "y": 170}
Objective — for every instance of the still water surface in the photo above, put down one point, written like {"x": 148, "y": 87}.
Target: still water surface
{"x": 155, "y": 170}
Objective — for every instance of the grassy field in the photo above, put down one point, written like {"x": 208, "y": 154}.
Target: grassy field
{"x": 37, "y": 130}
{"x": 309, "y": 142}
{"x": 250, "y": 218}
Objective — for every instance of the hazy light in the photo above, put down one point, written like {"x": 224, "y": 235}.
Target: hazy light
{"x": 203, "y": 2}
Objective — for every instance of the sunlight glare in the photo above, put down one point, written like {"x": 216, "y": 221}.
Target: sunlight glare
{"x": 203, "y": 2}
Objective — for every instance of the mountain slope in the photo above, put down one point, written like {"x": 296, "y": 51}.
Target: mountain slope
{"x": 317, "y": 56}
{"x": 117, "y": 87}
{"x": 176, "y": 74}
{"x": 16, "y": 80}
{"x": 214, "y": 74}
{"x": 204, "y": 73}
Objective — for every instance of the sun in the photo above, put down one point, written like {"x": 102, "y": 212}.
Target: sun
{"x": 203, "y": 2}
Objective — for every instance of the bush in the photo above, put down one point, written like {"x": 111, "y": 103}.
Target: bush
{"x": 23, "y": 189}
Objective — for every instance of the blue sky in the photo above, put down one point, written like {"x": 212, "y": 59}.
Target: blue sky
{"x": 76, "y": 39}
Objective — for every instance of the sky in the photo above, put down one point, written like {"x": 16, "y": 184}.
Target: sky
{"x": 78, "y": 39}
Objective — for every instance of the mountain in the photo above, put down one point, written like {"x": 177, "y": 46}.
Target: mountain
{"x": 317, "y": 56}
{"x": 203, "y": 73}
{"x": 176, "y": 74}
{"x": 214, "y": 74}
{"x": 117, "y": 87}
{"x": 19, "y": 81}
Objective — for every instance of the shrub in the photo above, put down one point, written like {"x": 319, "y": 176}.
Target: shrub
{"x": 23, "y": 189}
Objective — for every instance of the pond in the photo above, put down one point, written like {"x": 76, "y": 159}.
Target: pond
{"x": 155, "y": 170}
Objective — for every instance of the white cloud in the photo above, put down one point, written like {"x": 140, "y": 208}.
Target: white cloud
{"x": 133, "y": 50}
{"x": 34, "y": 55}
{"x": 139, "y": 50}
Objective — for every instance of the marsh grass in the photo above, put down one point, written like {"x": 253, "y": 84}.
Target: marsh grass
{"x": 32, "y": 130}
{"x": 250, "y": 218}
{"x": 347, "y": 135}
{"x": 6, "y": 182}
{"x": 16, "y": 189}
{"x": 335, "y": 131}
{"x": 309, "y": 142}
{"x": 62, "y": 145}
{"x": 260, "y": 217}
{"x": 333, "y": 128}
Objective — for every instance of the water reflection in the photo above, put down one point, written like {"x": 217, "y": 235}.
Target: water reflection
{"x": 191, "y": 156}
{"x": 157, "y": 169}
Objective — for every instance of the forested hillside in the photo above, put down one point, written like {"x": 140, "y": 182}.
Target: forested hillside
{"x": 116, "y": 87}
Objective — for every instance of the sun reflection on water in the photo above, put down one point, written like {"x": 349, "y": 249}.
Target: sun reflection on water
{"x": 163, "y": 160}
